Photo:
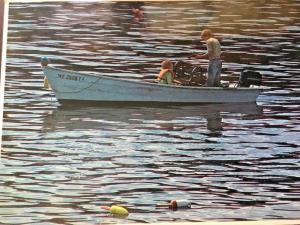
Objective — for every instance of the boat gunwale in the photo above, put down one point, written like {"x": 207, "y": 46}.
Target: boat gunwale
{"x": 155, "y": 84}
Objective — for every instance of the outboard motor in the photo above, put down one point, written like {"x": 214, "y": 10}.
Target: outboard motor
{"x": 249, "y": 77}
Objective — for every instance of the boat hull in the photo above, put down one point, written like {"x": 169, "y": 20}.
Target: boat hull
{"x": 72, "y": 86}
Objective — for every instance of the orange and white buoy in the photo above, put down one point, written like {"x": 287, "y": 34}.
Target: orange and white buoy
{"x": 177, "y": 204}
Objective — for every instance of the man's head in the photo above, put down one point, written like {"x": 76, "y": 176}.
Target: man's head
{"x": 206, "y": 34}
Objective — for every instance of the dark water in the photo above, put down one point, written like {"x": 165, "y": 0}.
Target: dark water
{"x": 59, "y": 165}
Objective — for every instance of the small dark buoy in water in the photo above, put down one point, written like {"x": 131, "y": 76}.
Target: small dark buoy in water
{"x": 44, "y": 61}
{"x": 138, "y": 13}
{"x": 176, "y": 204}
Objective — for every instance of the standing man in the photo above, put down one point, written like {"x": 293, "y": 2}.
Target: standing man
{"x": 213, "y": 54}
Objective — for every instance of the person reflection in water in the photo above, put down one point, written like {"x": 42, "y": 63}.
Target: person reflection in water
{"x": 214, "y": 124}
{"x": 213, "y": 54}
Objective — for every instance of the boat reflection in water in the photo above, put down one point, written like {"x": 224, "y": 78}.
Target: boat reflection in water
{"x": 172, "y": 118}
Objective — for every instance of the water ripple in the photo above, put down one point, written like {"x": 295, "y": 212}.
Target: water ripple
{"x": 59, "y": 164}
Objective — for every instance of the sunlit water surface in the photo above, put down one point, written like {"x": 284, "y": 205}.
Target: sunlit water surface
{"x": 233, "y": 161}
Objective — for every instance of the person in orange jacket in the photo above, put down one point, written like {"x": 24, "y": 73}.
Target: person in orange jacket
{"x": 166, "y": 75}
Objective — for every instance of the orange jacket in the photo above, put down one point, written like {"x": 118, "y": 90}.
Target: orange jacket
{"x": 164, "y": 71}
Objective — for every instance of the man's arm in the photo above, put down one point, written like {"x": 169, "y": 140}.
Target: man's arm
{"x": 210, "y": 47}
{"x": 161, "y": 74}
{"x": 200, "y": 56}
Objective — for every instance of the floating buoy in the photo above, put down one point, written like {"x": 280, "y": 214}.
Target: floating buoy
{"x": 181, "y": 204}
{"x": 176, "y": 204}
{"x": 137, "y": 12}
{"x": 116, "y": 210}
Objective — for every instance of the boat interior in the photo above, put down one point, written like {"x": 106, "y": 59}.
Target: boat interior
{"x": 188, "y": 74}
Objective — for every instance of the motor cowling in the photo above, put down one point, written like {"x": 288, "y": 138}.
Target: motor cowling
{"x": 249, "y": 77}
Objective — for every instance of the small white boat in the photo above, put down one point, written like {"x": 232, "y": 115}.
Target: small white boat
{"x": 70, "y": 86}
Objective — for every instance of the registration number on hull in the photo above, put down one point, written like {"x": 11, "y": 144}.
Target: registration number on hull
{"x": 70, "y": 77}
